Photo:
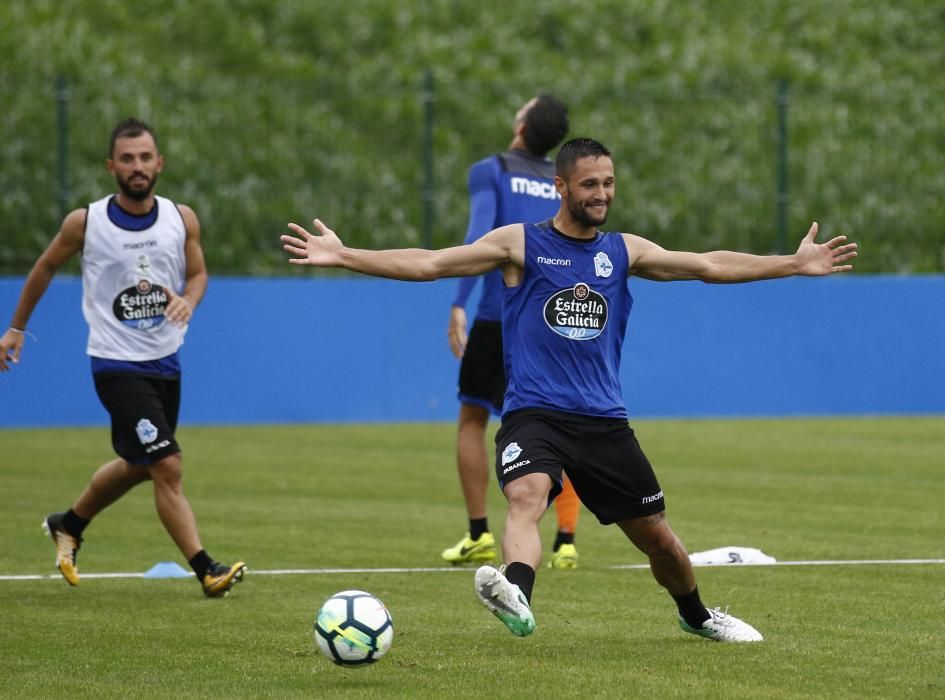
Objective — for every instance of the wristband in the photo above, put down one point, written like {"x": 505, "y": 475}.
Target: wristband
{"x": 21, "y": 331}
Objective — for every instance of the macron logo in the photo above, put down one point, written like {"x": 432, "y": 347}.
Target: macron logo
{"x": 649, "y": 499}
{"x": 534, "y": 188}
{"x": 559, "y": 262}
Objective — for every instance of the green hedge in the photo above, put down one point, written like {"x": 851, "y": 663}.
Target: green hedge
{"x": 270, "y": 112}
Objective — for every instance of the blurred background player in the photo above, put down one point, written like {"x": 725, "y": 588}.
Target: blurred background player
{"x": 143, "y": 273}
{"x": 508, "y": 188}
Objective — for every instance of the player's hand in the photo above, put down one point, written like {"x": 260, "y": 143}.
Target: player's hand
{"x": 823, "y": 258}
{"x": 179, "y": 310}
{"x": 10, "y": 345}
{"x": 322, "y": 250}
{"x": 456, "y": 332}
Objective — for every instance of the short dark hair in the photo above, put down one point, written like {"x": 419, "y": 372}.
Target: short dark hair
{"x": 129, "y": 128}
{"x": 574, "y": 150}
{"x": 546, "y": 124}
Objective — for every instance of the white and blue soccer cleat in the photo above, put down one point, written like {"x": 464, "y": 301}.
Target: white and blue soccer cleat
{"x": 504, "y": 600}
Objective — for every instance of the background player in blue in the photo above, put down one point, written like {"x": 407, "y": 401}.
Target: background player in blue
{"x": 513, "y": 187}
{"x": 565, "y": 314}
{"x": 143, "y": 274}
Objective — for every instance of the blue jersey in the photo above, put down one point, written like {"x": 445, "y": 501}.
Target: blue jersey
{"x": 512, "y": 188}
{"x": 563, "y": 325}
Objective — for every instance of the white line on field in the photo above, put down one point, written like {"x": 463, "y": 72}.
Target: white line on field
{"x": 826, "y": 562}
{"x": 444, "y": 569}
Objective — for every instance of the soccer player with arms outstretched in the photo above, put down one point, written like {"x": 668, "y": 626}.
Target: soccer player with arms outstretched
{"x": 565, "y": 312}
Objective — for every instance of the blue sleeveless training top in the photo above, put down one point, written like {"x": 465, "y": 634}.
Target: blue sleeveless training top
{"x": 563, "y": 326}
{"x": 512, "y": 188}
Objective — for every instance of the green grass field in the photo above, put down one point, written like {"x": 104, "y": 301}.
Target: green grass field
{"x": 365, "y": 497}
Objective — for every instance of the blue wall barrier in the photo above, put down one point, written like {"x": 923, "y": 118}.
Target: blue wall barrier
{"x": 366, "y": 350}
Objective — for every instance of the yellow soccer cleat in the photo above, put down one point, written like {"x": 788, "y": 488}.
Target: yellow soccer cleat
{"x": 468, "y": 550}
{"x": 565, "y": 558}
{"x": 221, "y": 578}
{"x": 67, "y": 546}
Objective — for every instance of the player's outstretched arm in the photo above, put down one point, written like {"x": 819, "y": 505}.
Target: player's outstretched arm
{"x": 325, "y": 249}
{"x": 649, "y": 260}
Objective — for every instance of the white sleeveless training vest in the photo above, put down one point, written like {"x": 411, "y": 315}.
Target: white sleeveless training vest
{"x": 124, "y": 275}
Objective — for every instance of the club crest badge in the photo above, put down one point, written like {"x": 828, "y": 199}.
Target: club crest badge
{"x": 602, "y": 265}
{"x": 511, "y": 452}
{"x": 147, "y": 432}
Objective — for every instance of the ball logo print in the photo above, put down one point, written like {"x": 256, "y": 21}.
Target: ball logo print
{"x": 353, "y": 628}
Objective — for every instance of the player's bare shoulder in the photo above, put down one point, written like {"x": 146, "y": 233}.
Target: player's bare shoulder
{"x": 191, "y": 222}
{"x": 68, "y": 241}
{"x": 189, "y": 216}
{"x": 74, "y": 223}
{"x": 511, "y": 238}
{"x": 72, "y": 232}
{"x": 639, "y": 249}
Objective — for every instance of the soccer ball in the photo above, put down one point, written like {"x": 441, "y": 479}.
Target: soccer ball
{"x": 353, "y": 628}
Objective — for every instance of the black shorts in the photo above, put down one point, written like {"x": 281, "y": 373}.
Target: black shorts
{"x": 482, "y": 371}
{"x": 601, "y": 456}
{"x": 144, "y": 415}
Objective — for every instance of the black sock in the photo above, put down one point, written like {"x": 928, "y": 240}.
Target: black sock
{"x": 523, "y": 576}
{"x": 691, "y": 608}
{"x": 201, "y": 563}
{"x": 74, "y": 525}
{"x": 562, "y": 538}
{"x": 478, "y": 526}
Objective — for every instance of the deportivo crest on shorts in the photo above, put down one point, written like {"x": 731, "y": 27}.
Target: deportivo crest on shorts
{"x": 146, "y": 431}
{"x": 511, "y": 451}
{"x": 577, "y": 313}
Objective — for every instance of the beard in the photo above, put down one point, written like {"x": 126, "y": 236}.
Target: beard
{"x": 580, "y": 214}
{"x": 140, "y": 191}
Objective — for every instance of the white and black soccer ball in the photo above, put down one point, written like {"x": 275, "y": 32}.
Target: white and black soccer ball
{"x": 353, "y": 628}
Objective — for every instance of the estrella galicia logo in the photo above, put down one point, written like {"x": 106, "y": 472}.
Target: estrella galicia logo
{"x": 141, "y": 306}
{"x": 511, "y": 451}
{"x": 577, "y": 313}
{"x": 147, "y": 433}
{"x": 602, "y": 265}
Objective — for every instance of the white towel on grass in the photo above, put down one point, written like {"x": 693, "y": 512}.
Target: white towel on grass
{"x": 730, "y": 555}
